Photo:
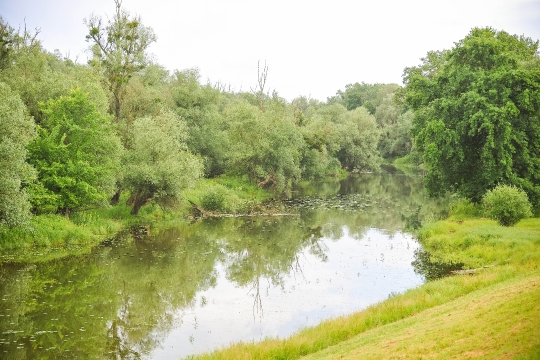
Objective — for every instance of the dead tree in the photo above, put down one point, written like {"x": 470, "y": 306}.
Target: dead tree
{"x": 258, "y": 90}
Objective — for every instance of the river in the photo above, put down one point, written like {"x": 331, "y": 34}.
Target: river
{"x": 168, "y": 294}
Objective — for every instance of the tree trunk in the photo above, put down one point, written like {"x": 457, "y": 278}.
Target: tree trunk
{"x": 138, "y": 200}
{"x": 197, "y": 210}
{"x": 116, "y": 197}
{"x": 64, "y": 211}
{"x": 117, "y": 103}
{"x": 137, "y": 205}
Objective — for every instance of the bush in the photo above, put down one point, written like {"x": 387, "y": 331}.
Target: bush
{"x": 462, "y": 208}
{"x": 214, "y": 198}
{"x": 507, "y": 205}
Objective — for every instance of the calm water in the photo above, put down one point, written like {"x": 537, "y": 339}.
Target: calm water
{"x": 198, "y": 287}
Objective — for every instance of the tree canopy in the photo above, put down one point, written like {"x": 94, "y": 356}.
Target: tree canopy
{"x": 477, "y": 111}
{"x": 77, "y": 154}
{"x": 158, "y": 165}
{"x": 120, "y": 49}
{"x": 16, "y": 130}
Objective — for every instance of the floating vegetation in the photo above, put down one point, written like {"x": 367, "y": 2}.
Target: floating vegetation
{"x": 357, "y": 202}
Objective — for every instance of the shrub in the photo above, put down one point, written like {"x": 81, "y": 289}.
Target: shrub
{"x": 462, "y": 208}
{"x": 214, "y": 198}
{"x": 507, "y": 204}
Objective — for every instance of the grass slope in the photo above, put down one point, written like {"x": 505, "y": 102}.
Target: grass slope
{"x": 499, "y": 321}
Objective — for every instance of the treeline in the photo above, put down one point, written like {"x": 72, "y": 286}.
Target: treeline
{"x": 75, "y": 136}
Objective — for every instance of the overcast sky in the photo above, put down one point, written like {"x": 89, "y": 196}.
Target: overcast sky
{"x": 312, "y": 48}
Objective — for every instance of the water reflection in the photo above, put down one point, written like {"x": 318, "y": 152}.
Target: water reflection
{"x": 432, "y": 270}
{"x": 193, "y": 288}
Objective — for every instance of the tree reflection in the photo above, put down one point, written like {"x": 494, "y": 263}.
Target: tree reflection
{"x": 267, "y": 248}
{"x": 120, "y": 300}
{"x": 117, "y": 301}
{"x": 432, "y": 270}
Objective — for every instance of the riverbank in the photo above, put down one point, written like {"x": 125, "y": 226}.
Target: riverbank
{"x": 490, "y": 313}
{"x": 51, "y": 236}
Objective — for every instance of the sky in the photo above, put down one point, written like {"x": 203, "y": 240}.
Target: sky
{"x": 312, "y": 48}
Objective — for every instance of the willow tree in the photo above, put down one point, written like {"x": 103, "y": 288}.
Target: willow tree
{"x": 265, "y": 145}
{"x": 158, "y": 165}
{"x": 16, "y": 130}
{"x": 120, "y": 47}
{"x": 477, "y": 114}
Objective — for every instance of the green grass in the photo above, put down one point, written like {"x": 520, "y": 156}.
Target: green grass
{"x": 409, "y": 164}
{"x": 239, "y": 194}
{"x": 493, "y": 313}
{"x": 498, "y": 321}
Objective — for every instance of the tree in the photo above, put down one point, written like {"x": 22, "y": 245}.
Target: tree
{"x": 38, "y": 76}
{"x": 6, "y": 42}
{"x": 16, "y": 130}
{"x": 120, "y": 48}
{"x": 258, "y": 90}
{"x": 359, "y": 137}
{"x": 395, "y": 140}
{"x": 208, "y": 132}
{"x": 477, "y": 114}
{"x": 77, "y": 155}
{"x": 369, "y": 96}
{"x": 26, "y": 68}
{"x": 147, "y": 92}
{"x": 265, "y": 145}
{"x": 158, "y": 165}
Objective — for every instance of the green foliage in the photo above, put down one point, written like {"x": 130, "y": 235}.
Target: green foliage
{"x": 77, "y": 155}
{"x": 214, "y": 198}
{"x": 16, "y": 130}
{"x": 395, "y": 140}
{"x": 266, "y": 145}
{"x": 464, "y": 208}
{"x": 6, "y": 42}
{"x": 476, "y": 114}
{"x": 507, "y": 205}
{"x": 38, "y": 76}
{"x": 368, "y": 95}
{"x": 157, "y": 164}
{"x": 208, "y": 132}
{"x": 359, "y": 137}
{"x": 146, "y": 93}
{"x": 119, "y": 50}
{"x": 317, "y": 164}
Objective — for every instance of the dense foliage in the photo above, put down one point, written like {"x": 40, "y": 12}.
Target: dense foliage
{"x": 76, "y": 153}
{"x": 157, "y": 165}
{"x": 16, "y": 130}
{"x": 123, "y": 124}
{"x": 477, "y": 114}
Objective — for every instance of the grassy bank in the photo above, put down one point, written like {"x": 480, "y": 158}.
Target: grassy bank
{"x": 51, "y": 236}
{"x": 494, "y": 312}
{"x": 409, "y": 164}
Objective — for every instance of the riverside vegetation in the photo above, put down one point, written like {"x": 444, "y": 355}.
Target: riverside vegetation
{"x": 89, "y": 149}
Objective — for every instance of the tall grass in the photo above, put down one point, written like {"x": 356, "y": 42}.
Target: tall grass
{"x": 227, "y": 193}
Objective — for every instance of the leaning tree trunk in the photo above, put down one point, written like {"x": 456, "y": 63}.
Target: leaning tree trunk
{"x": 116, "y": 197}
{"x": 138, "y": 200}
